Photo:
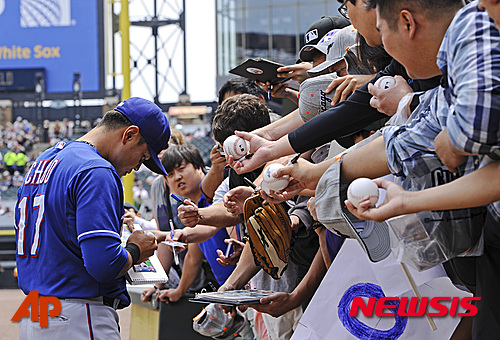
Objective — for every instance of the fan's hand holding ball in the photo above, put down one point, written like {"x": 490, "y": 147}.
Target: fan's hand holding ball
{"x": 385, "y": 82}
{"x": 360, "y": 188}
{"x": 272, "y": 183}
{"x": 235, "y": 146}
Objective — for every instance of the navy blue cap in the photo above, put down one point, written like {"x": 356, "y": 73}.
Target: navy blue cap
{"x": 153, "y": 126}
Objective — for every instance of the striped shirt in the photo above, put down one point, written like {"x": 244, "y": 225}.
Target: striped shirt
{"x": 470, "y": 59}
{"x": 466, "y": 104}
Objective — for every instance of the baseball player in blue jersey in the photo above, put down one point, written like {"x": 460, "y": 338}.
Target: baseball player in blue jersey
{"x": 69, "y": 217}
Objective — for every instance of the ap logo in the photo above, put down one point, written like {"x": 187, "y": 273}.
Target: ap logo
{"x": 45, "y": 13}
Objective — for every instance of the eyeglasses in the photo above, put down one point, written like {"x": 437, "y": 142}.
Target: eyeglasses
{"x": 343, "y": 10}
{"x": 340, "y": 70}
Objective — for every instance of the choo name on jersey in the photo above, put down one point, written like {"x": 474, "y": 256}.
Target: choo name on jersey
{"x": 39, "y": 172}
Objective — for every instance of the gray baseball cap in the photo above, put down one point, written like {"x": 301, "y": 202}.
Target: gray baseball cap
{"x": 312, "y": 96}
{"x": 337, "y": 47}
{"x": 330, "y": 195}
{"x": 213, "y": 322}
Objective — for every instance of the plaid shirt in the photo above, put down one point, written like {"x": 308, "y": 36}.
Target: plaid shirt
{"x": 466, "y": 104}
{"x": 470, "y": 59}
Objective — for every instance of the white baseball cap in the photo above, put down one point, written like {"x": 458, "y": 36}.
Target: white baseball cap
{"x": 337, "y": 47}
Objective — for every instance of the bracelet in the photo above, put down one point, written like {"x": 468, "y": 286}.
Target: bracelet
{"x": 134, "y": 251}
{"x": 316, "y": 225}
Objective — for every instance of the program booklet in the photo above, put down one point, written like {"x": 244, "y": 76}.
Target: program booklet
{"x": 259, "y": 69}
{"x": 149, "y": 271}
{"x": 233, "y": 297}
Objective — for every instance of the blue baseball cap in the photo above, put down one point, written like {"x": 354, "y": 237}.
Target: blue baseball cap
{"x": 153, "y": 126}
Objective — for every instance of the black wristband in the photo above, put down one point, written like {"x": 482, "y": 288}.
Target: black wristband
{"x": 316, "y": 225}
{"x": 134, "y": 251}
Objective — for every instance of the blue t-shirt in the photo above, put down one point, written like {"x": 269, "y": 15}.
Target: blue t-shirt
{"x": 70, "y": 198}
{"x": 333, "y": 244}
{"x": 210, "y": 246}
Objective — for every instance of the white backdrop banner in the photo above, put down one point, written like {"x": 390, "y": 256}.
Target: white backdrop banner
{"x": 352, "y": 274}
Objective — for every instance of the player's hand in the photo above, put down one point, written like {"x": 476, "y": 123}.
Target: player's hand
{"x": 188, "y": 214}
{"x": 275, "y": 305}
{"x": 232, "y": 258}
{"x": 395, "y": 203}
{"x": 449, "y": 155}
{"x": 171, "y": 295}
{"x": 346, "y": 85}
{"x": 387, "y": 100}
{"x": 297, "y": 72}
{"x": 218, "y": 161}
{"x": 146, "y": 243}
{"x": 235, "y": 198}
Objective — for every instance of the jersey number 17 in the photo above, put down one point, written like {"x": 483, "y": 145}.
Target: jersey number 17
{"x": 38, "y": 204}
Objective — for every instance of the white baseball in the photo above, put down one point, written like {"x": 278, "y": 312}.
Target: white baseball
{"x": 272, "y": 183}
{"x": 360, "y": 188}
{"x": 385, "y": 82}
{"x": 235, "y": 146}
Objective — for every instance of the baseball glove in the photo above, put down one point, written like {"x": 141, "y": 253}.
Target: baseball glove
{"x": 270, "y": 232}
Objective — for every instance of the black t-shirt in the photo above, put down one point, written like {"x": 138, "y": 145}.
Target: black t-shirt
{"x": 351, "y": 115}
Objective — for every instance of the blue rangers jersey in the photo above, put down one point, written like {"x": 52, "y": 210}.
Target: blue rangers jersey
{"x": 70, "y": 199}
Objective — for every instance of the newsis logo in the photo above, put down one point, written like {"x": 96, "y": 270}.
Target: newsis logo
{"x": 413, "y": 306}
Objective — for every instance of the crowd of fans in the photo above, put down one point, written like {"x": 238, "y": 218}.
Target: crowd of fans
{"x": 17, "y": 150}
{"x": 437, "y": 119}
{"x": 425, "y": 137}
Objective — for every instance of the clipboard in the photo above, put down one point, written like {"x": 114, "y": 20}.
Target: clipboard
{"x": 259, "y": 69}
{"x": 149, "y": 271}
{"x": 233, "y": 297}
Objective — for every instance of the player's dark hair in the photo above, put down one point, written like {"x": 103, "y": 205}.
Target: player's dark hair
{"x": 434, "y": 9}
{"x": 243, "y": 112}
{"x": 240, "y": 85}
{"x": 114, "y": 120}
{"x": 173, "y": 157}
